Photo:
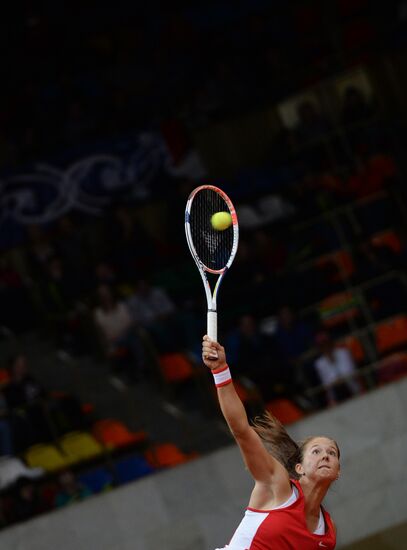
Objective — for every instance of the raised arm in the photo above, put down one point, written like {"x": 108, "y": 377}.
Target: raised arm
{"x": 264, "y": 468}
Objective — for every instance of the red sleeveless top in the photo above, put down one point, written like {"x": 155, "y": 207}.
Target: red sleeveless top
{"x": 286, "y": 529}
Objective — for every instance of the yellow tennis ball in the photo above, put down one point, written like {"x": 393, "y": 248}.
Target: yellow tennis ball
{"x": 221, "y": 221}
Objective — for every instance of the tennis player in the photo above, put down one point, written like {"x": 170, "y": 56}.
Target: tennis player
{"x": 290, "y": 480}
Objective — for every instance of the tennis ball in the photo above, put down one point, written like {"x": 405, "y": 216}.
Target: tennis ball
{"x": 221, "y": 221}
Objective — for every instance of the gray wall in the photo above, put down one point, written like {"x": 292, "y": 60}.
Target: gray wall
{"x": 197, "y": 506}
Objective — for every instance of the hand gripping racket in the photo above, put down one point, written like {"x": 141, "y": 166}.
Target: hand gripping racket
{"x": 212, "y": 249}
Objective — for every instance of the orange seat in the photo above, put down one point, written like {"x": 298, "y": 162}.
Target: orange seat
{"x": 114, "y": 434}
{"x": 354, "y": 345}
{"x": 392, "y": 368}
{"x": 284, "y": 410}
{"x": 391, "y": 334}
{"x": 4, "y": 377}
{"x": 175, "y": 367}
{"x": 343, "y": 261}
{"x": 165, "y": 455}
{"x": 338, "y": 308}
{"x": 389, "y": 239}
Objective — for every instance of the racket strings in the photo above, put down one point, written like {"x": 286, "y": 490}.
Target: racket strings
{"x": 213, "y": 247}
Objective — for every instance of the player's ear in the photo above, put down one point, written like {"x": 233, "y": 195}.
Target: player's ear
{"x": 299, "y": 469}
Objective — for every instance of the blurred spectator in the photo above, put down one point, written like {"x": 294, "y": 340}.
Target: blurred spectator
{"x": 25, "y": 400}
{"x": 247, "y": 341}
{"x": 355, "y": 106}
{"x": 28, "y": 500}
{"x": 6, "y": 442}
{"x": 13, "y": 468}
{"x": 336, "y": 370}
{"x": 70, "y": 490}
{"x": 152, "y": 308}
{"x": 62, "y": 309}
{"x": 129, "y": 246}
{"x": 71, "y": 248}
{"x": 117, "y": 329}
{"x": 293, "y": 336}
{"x": 311, "y": 124}
{"x": 14, "y": 298}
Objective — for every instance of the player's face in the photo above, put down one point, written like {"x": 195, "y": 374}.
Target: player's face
{"x": 321, "y": 460}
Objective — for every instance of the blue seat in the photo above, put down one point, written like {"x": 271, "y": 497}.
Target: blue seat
{"x": 99, "y": 479}
{"x": 131, "y": 468}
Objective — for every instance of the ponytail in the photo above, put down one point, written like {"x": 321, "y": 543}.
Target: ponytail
{"x": 278, "y": 443}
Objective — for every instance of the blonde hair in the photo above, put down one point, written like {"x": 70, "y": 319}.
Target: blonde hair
{"x": 280, "y": 445}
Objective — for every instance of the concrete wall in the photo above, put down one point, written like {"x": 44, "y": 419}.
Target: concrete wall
{"x": 197, "y": 506}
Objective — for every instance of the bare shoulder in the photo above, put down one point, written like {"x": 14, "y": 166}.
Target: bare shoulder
{"x": 271, "y": 493}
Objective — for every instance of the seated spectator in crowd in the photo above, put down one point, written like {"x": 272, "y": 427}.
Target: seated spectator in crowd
{"x": 336, "y": 370}
{"x": 13, "y": 468}
{"x": 355, "y": 106}
{"x": 70, "y": 490}
{"x": 247, "y": 341}
{"x": 6, "y": 441}
{"x": 293, "y": 336}
{"x": 25, "y": 398}
{"x": 118, "y": 329}
{"x": 129, "y": 247}
{"x": 28, "y": 501}
{"x": 60, "y": 299}
{"x": 311, "y": 123}
{"x": 152, "y": 308}
{"x": 14, "y": 298}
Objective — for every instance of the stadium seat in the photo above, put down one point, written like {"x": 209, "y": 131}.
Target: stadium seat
{"x": 354, "y": 345}
{"x": 391, "y": 334}
{"x": 338, "y": 308}
{"x": 4, "y": 377}
{"x": 389, "y": 239}
{"x": 132, "y": 468}
{"x": 80, "y": 446}
{"x": 392, "y": 368}
{"x": 98, "y": 479}
{"x": 45, "y": 456}
{"x": 343, "y": 262}
{"x": 284, "y": 410}
{"x": 165, "y": 455}
{"x": 114, "y": 434}
{"x": 175, "y": 367}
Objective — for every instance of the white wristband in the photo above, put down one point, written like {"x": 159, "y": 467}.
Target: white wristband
{"x": 222, "y": 376}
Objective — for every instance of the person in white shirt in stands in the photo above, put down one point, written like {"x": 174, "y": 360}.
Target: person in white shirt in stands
{"x": 118, "y": 329}
{"x": 336, "y": 370}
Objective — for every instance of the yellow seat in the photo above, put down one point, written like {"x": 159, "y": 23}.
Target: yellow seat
{"x": 79, "y": 446}
{"x": 45, "y": 456}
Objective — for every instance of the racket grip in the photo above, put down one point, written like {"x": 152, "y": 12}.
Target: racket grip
{"x": 212, "y": 325}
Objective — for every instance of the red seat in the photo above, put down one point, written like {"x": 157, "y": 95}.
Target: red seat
{"x": 338, "y": 308}
{"x": 114, "y": 434}
{"x": 354, "y": 345}
{"x": 285, "y": 410}
{"x": 175, "y": 367}
{"x": 389, "y": 239}
{"x": 164, "y": 455}
{"x": 392, "y": 368}
{"x": 4, "y": 377}
{"x": 391, "y": 334}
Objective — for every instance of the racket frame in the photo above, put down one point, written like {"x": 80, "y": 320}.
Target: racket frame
{"x": 211, "y": 297}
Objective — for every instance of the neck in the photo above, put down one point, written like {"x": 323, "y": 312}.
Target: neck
{"x": 314, "y": 494}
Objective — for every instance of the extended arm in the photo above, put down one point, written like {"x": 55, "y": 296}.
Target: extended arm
{"x": 264, "y": 468}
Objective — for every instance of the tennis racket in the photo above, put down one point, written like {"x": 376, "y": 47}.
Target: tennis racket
{"x": 213, "y": 250}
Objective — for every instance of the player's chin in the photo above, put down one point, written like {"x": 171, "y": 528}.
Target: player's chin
{"x": 327, "y": 473}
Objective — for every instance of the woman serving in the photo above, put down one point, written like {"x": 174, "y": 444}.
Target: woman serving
{"x": 290, "y": 480}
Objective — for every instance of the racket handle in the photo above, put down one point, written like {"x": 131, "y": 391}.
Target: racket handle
{"x": 212, "y": 325}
